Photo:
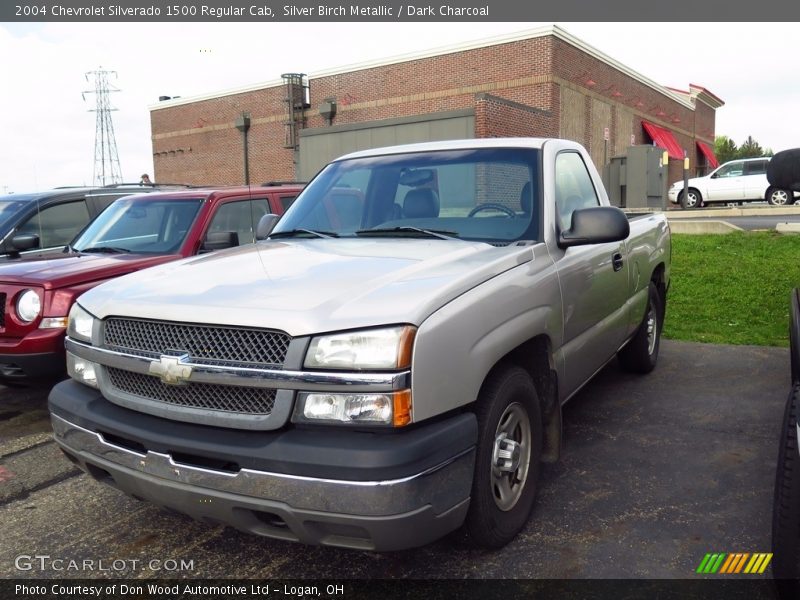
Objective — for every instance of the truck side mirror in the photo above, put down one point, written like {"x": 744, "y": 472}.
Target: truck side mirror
{"x": 219, "y": 240}
{"x": 595, "y": 225}
{"x": 25, "y": 241}
{"x": 265, "y": 226}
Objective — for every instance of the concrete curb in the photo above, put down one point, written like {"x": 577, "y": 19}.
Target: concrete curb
{"x": 702, "y": 226}
{"x": 714, "y": 213}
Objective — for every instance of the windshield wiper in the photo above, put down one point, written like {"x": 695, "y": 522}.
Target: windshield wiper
{"x": 436, "y": 233}
{"x": 294, "y": 232}
{"x": 105, "y": 250}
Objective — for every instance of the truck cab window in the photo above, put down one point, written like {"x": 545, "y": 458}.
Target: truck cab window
{"x": 574, "y": 188}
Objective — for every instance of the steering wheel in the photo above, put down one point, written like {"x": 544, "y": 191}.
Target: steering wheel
{"x": 492, "y": 206}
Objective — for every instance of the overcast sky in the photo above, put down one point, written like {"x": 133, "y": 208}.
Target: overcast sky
{"x": 47, "y": 134}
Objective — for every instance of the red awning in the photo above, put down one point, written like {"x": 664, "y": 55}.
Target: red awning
{"x": 706, "y": 151}
{"x": 664, "y": 139}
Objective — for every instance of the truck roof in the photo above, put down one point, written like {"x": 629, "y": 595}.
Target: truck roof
{"x": 535, "y": 143}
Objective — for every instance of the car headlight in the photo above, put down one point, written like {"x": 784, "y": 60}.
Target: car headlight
{"x": 388, "y": 348}
{"x": 80, "y": 324}
{"x": 29, "y": 305}
{"x": 381, "y": 408}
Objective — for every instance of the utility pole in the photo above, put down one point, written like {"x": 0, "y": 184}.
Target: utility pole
{"x": 107, "y": 169}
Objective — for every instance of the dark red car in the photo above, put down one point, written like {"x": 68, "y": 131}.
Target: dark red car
{"x": 133, "y": 233}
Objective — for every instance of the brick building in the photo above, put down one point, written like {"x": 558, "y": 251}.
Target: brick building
{"x": 544, "y": 82}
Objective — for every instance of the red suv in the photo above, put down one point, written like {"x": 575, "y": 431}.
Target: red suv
{"x": 133, "y": 233}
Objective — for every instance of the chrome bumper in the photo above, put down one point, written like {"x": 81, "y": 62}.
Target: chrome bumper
{"x": 376, "y": 515}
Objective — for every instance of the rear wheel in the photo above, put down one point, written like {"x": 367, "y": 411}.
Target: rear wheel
{"x": 779, "y": 197}
{"x": 641, "y": 353}
{"x": 507, "y": 458}
{"x": 786, "y": 503}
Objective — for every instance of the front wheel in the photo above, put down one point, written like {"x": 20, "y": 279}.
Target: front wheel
{"x": 779, "y": 197}
{"x": 507, "y": 458}
{"x": 690, "y": 199}
{"x": 786, "y": 502}
{"x": 641, "y": 353}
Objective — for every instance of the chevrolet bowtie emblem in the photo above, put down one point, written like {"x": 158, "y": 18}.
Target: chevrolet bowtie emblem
{"x": 171, "y": 370}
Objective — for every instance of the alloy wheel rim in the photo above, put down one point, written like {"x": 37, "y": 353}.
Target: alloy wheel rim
{"x": 780, "y": 197}
{"x": 511, "y": 455}
{"x": 652, "y": 329}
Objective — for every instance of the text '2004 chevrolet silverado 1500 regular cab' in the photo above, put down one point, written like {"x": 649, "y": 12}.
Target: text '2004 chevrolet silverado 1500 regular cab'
{"x": 377, "y": 377}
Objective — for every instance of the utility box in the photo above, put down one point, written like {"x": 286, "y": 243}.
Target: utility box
{"x": 637, "y": 179}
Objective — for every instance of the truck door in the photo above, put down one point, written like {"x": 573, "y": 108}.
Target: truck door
{"x": 594, "y": 281}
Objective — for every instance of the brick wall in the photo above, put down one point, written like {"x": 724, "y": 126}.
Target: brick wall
{"x": 497, "y": 117}
{"x": 198, "y": 143}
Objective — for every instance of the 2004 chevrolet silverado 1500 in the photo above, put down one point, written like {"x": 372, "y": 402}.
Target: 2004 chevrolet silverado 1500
{"x": 377, "y": 376}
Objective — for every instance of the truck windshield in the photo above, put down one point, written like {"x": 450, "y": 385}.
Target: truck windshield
{"x": 143, "y": 226}
{"x": 486, "y": 194}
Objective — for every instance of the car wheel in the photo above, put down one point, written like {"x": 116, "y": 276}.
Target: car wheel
{"x": 786, "y": 502}
{"x": 507, "y": 458}
{"x": 692, "y": 199}
{"x": 641, "y": 353}
{"x": 779, "y": 197}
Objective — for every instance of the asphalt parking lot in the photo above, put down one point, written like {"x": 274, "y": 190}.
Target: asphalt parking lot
{"x": 656, "y": 472}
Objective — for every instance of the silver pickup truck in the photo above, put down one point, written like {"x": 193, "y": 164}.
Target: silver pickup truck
{"x": 388, "y": 366}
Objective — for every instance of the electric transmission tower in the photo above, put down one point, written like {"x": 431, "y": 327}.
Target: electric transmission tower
{"x": 106, "y": 159}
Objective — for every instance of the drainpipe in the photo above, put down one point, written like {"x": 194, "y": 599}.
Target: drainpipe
{"x": 243, "y": 124}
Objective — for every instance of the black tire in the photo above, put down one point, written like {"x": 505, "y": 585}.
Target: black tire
{"x": 693, "y": 199}
{"x": 640, "y": 355}
{"x": 786, "y": 503}
{"x": 779, "y": 197}
{"x": 508, "y": 388}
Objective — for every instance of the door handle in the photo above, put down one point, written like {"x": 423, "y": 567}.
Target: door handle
{"x": 616, "y": 261}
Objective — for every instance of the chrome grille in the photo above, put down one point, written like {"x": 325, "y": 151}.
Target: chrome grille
{"x": 205, "y": 344}
{"x": 227, "y": 398}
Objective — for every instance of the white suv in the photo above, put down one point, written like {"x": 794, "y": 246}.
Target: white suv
{"x": 735, "y": 181}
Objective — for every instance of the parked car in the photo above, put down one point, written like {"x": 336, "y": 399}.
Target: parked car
{"x": 381, "y": 370}
{"x": 133, "y": 233}
{"x": 735, "y": 181}
{"x": 44, "y": 222}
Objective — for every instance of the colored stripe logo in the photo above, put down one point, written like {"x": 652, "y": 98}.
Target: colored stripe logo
{"x": 733, "y": 563}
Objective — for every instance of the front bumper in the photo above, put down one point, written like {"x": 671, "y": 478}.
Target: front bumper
{"x": 39, "y": 355}
{"x": 672, "y": 194}
{"x": 330, "y": 492}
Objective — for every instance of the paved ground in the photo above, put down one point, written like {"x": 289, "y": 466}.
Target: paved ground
{"x": 657, "y": 471}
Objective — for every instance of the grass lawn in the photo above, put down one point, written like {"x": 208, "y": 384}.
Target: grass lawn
{"x": 732, "y": 289}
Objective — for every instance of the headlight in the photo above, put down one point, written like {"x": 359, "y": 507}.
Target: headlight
{"x": 388, "y": 348}
{"x": 384, "y": 408}
{"x": 28, "y": 305}
{"x": 80, "y": 324}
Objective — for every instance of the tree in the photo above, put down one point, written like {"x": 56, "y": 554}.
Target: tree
{"x": 725, "y": 149}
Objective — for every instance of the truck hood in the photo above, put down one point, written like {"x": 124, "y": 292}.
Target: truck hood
{"x": 76, "y": 269}
{"x": 308, "y": 286}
